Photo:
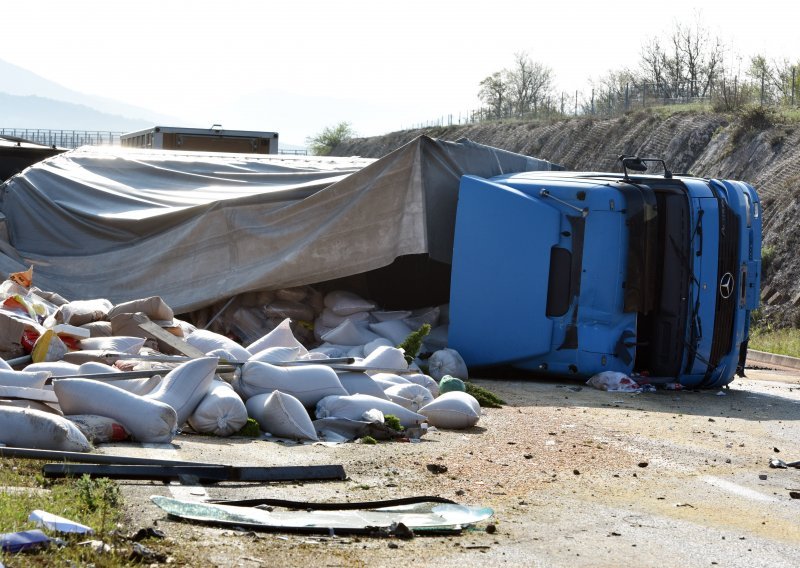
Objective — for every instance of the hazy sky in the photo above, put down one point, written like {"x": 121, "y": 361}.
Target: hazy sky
{"x": 297, "y": 66}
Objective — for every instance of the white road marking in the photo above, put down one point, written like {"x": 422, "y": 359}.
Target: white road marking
{"x": 739, "y": 490}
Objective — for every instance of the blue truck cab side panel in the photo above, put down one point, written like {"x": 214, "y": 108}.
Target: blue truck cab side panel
{"x": 540, "y": 264}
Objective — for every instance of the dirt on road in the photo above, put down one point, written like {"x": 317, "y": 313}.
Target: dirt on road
{"x": 576, "y": 477}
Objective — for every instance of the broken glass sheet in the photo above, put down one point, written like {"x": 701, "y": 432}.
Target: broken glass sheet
{"x": 56, "y": 523}
{"x": 418, "y": 517}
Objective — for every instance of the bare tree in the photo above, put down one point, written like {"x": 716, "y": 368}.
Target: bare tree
{"x": 494, "y": 93}
{"x": 531, "y": 84}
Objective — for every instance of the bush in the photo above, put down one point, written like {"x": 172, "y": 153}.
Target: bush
{"x": 331, "y": 136}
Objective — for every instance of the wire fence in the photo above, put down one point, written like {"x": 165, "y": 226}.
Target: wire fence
{"x": 608, "y": 102}
{"x": 71, "y": 139}
{"x": 63, "y": 138}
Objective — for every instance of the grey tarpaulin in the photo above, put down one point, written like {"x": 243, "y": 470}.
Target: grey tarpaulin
{"x": 195, "y": 228}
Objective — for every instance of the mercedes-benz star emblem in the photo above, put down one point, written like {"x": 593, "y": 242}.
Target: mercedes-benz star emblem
{"x": 726, "y": 285}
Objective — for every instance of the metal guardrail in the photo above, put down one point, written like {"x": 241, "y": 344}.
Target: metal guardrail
{"x": 74, "y": 138}
{"x": 64, "y": 138}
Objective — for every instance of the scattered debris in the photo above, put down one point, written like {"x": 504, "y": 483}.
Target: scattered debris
{"x": 421, "y": 518}
{"x": 436, "y": 468}
{"x": 58, "y": 524}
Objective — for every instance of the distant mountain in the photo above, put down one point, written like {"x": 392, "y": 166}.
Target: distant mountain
{"x": 39, "y": 112}
{"x": 21, "y": 83}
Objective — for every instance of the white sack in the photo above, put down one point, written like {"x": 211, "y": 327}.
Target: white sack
{"x": 331, "y": 351}
{"x": 373, "y": 345}
{"x": 329, "y": 319}
{"x": 447, "y": 362}
{"x": 307, "y": 383}
{"x": 185, "y": 386}
{"x": 425, "y": 381}
{"x": 28, "y": 379}
{"x": 129, "y": 345}
{"x": 282, "y": 415}
{"x": 411, "y": 396}
{"x": 95, "y": 368}
{"x": 138, "y": 386}
{"x": 207, "y": 341}
{"x": 354, "y": 407}
{"x": 395, "y": 331}
{"x": 349, "y": 333}
{"x": 422, "y": 316}
{"x": 386, "y": 358}
{"x": 147, "y": 420}
{"x": 276, "y": 355}
{"x": 29, "y": 428}
{"x": 382, "y": 315}
{"x": 221, "y": 412}
{"x": 455, "y": 409}
{"x": 80, "y": 312}
{"x": 361, "y": 383}
{"x": 4, "y": 365}
{"x": 344, "y": 303}
{"x": 281, "y": 336}
{"x": 386, "y": 380}
{"x": 56, "y": 368}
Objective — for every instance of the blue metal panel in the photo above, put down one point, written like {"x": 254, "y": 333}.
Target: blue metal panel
{"x": 499, "y": 279}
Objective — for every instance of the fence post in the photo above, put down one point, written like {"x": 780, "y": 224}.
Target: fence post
{"x": 576, "y": 102}
{"x": 592, "y": 101}
{"x": 627, "y": 92}
{"x": 763, "y": 71}
{"x": 794, "y": 83}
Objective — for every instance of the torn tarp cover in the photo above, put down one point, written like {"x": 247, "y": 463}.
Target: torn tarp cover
{"x": 195, "y": 228}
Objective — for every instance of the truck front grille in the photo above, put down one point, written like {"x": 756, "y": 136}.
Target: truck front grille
{"x": 727, "y": 283}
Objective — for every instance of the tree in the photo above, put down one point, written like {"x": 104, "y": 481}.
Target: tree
{"x": 330, "y": 137}
{"x": 494, "y": 93}
{"x": 531, "y": 84}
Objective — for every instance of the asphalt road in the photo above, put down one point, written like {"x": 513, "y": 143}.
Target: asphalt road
{"x": 576, "y": 476}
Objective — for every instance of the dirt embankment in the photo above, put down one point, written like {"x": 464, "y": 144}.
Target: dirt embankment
{"x": 757, "y": 147}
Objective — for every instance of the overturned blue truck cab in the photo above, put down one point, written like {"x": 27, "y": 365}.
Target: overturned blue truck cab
{"x": 575, "y": 273}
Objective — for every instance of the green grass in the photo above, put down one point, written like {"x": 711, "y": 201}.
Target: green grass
{"x": 781, "y": 341}
{"x": 92, "y": 502}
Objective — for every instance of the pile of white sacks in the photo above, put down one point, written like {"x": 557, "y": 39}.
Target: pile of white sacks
{"x": 289, "y": 390}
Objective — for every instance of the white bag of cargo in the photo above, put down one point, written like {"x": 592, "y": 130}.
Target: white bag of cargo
{"x": 423, "y": 316}
{"x": 80, "y": 312}
{"x": 386, "y": 358}
{"x": 370, "y": 347}
{"x": 454, "y": 410}
{"x": 274, "y": 355}
{"x": 185, "y": 386}
{"x": 121, "y": 343}
{"x": 349, "y": 333}
{"x": 361, "y": 383}
{"x": 410, "y": 395}
{"x": 27, "y": 379}
{"x": 95, "y": 368}
{"x": 329, "y": 319}
{"x": 354, "y": 407}
{"x": 281, "y": 415}
{"x": 424, "y": 380}
{"x": 56, "y": 368}
{"x": 139, "y": 387}
{"x": 447, "y": 362}
{"x": 386, "y": 380}
{"x": 208, "y": 341}
{"x": 307, "y": 383}
{"x": 146, "y": 419}
{"x": 221, "y": 412}
{"x": 395, "y": 331}
{"x": 29, "y": 428}
{"x": 281, "y": 336}
{"x": 344, "y": 303}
